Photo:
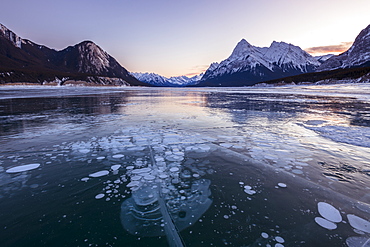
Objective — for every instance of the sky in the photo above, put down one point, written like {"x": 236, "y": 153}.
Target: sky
{"x": 183, "y": 37}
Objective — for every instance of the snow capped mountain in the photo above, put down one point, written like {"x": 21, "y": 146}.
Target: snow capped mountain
{"x": 358, "y": 55}
{"x": 249, "y": 64}
{"x": 175, "y": 81}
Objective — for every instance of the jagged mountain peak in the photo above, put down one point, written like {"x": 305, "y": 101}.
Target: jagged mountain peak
{"x": 242, "y": 48}
{"x": 362, "y": 39}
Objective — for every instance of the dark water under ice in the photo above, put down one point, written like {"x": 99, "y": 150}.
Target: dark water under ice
{"x": 193, "y": 167}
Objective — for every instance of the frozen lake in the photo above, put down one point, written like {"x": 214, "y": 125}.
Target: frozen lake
{"x": 287, "y": 166}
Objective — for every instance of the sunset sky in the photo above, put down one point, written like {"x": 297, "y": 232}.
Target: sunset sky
{"x": 173, "y": 37}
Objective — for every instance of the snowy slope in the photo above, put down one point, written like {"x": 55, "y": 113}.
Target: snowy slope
{"x": 323, "y": 58}
{"x": 11, "y": 36}
{"x": 249, "y": 64}
{"x": 158, "y": 80}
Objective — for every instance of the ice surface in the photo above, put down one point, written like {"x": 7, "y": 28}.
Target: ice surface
{"x": 359, "y": 136}
{"x": 358, "y": 223}
{"x": 329, "y": 212}
{"x": 358, "y": 242}
{"x": 325, "y": 223}
{"x": 23, "y": 168}
{"x": 181, "y": 152}
{"x": 99, "y": 174}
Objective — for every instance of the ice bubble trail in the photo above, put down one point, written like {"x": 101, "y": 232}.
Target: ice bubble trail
{"x": 99, "y": 174}
{"x": 329, "y": 212}
{"x": 325, "y": 223}
{"x": 23, "y": 168}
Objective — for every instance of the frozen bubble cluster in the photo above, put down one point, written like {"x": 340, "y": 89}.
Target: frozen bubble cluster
{"x": 329, "y": 216}
{"x": 276, "y": 241}
{"x": 248, "y": 189}
{"x": 150, "y": 170}
{"x": 286, "y": 153}
{"x": 149, "y": 210}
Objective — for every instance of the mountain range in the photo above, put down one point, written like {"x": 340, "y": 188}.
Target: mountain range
{"x": 22, "y": 60}
{"x": 161, "y": 81}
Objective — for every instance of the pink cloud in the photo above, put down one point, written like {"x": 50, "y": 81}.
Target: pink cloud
{"x": 327, "y": 49}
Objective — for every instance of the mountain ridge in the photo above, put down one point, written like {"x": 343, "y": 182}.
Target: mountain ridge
{"x": 85, "y": 60}
{"x": 358, "y": 55}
